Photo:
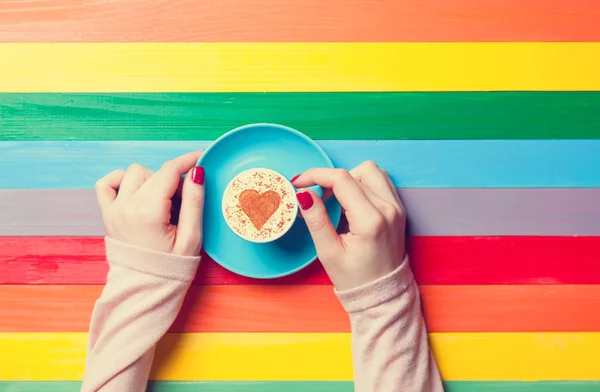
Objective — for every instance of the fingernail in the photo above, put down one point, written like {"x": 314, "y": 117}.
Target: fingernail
{"x": 295, "y": 178}
{"x": 305, "y": 200}
{"x": 198, "y": 175}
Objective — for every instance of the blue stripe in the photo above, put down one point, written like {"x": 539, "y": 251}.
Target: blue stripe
{"x": 412, "y": 164}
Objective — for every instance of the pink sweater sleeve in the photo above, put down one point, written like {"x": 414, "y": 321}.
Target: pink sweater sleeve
{"x": 143, "y": 294}
{"x": 389, "y": 339}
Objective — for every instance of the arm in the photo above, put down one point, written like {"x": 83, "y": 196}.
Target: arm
{"x": 142, "y": 297}
{"x": 153, "y": 259}
{"x": 389, "y": 338}
{"x": 372, "y": 277}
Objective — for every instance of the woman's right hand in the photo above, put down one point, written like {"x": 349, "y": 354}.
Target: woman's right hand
{"x": 375, "y": 245}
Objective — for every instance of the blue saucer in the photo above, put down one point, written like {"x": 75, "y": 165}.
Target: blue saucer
{"x": 273, "y": 147}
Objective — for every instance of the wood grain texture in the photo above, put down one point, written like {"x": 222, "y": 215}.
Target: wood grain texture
{"x": 312, "y": 386}
{"x": 186, "y": 357}
{"x": 206, "y": 116}
{"x": 81, "y": 260}
{"x": 512, "y": 386}
{"x": 431, "y": 212}
{"x": 505, "y": 260}
{"x": 489, "y": 308}
{"x": 311, "y": 356}
{"x": 529, "y": 308}
{"x": 206, "y": 309}
{"x": 411, "y": 164}
{"x": 298, "y": 67}
{"x": 434, "y": 260}
{"x": 289, "y": 20}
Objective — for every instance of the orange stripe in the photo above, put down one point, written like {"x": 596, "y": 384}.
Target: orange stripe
{"x": 316, "y": 309}
{"x": 527, "y": 308}
{"x": 206, "y": 309}
{"x": 302, "y": 21}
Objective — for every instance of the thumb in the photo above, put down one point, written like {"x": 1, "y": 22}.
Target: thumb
{"x": 321, "y": 229}
{"x": 189, "y": 230}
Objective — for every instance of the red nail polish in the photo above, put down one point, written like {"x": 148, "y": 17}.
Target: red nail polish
{"x": 305, "y": 200}
{"x": 198, "y": 175}
{"x": 295, "y": 178}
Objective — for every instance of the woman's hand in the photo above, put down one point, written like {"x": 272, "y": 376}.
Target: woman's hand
{"x": 375, "y": 245}
{"x": 137, "y": 205}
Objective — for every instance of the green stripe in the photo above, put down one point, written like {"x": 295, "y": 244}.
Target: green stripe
{"x": 297, "y": 386}
{"x": 513, "y": 386}
{"x": 205, "y": 116}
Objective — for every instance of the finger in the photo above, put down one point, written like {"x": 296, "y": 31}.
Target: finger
{"x": 374, "y": 198}
{"x": 386, "y": 209}
{"x": 165, "y": 182}
{"x": 143, "y": 190}
{"x": 176, "y": 202}
{"x": 106, "y": 188}
{"x": 134, "y": 178}
{"x": 369, "y": 174}
{"x": 327, "y": 193}
{"x": 345, "y": 188}
{"x": 179, "y": 190}
{"x": 327, "y": 242}
{"x": 189, "y": 229}
{"x": 148, "y": 173}
{"x": 393, "y": 188}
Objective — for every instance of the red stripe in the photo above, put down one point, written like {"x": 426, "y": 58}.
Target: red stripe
{"x": 435, "y": 260}
{"x": 506, "y": 260}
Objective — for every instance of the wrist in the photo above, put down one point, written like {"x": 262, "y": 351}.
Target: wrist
{"x": 151, "y": 262}
{"x": 377, "y": 291}
{"x": 365, "y": 273}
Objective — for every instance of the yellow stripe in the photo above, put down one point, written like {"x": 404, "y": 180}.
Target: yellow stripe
{"x": 311, "y": 356}
{"x": 160, "y": 67}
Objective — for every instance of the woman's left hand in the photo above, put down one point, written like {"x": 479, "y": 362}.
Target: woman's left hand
{"x": 137, "y": 205}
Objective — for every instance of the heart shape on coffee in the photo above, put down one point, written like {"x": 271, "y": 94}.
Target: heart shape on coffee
{"x": 259, "y": 207}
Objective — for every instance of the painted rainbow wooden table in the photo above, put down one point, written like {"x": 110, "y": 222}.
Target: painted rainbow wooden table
{"x": 486, "y": 114}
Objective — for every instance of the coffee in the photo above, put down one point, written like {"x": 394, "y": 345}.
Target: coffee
{"x": 260, "y": 205}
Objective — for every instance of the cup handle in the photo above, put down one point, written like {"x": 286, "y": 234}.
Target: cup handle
{"x": 315, "y": 188}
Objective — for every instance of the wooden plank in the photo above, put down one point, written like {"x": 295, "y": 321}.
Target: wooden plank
{"x": 81, "y": 260}
{"x": 298, "y": 67}
{"x": 303, "y": 386}
{"x": 311, "y": 356}
{"x": 411, "y": 164}
{"x": 512, "y": 386}
{"x": 206, "y": 116}
{"x": 206, "y": 309}
{"x": 528, "y": 308}
{"x": 431, "y": 212}
{"x": 289, "y": 20}
{"x": 504, "y": 260}
{"x": 201, "y": 386}
{"x": 546, "y": 308}
{"x": 434, "y": 260}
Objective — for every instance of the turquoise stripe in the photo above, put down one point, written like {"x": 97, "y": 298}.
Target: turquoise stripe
{"x": 412, "y": 164}
{"x": 307, "y": 386}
